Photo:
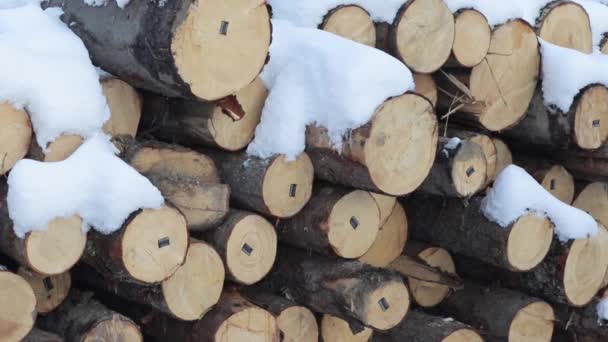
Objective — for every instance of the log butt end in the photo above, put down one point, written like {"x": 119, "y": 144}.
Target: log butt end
{"x": 50, "y": 291}
{"x": 15, "y": 135}
{"x": 18, "y": 311}
{"x": 154, "y": 244}
{"x": 390, "y": 240}
{"x": 465, "y": 335}
{"x": 125, "y": 107}
{"x": 287, "y": 186}
{"x": 594, "y": 200}
{"x": 591, "y": 118}
{"x": 204, "y": 42}
{"x": 471, "y": 38}
{"x": 57, "y": 249}
{"x": 351, "y": 22}
{"x": 197, "y": 285}
{"x": 401, "y": 147}
{"x": 529, "y": 242}
{"x": 566, "y": 24}
{"x": 560, "y": 183}
{"x": 504, "y": 157}
{"x": 534, "y": 322}
{"x": 427, "y": 294}
{"x": 251, "y": 249}
{"x": 249, "y": 324}
{"x": 116, "y": 328}
{"x": 470, "y": 169}
{"x": 337, "y": 329}
{"x": 387, "y": 305}
{"x": 297, "y": 323}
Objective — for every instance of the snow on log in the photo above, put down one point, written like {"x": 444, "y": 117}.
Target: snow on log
{"x": 460, "y": 169}
{"x": 18, "y": 311}
{"x": 390, "y": 240}
{"x": 422, "y": 327}
{"x": 50, "y": 291}
{"x": 501, "y": 314}
{"x": 247, "y": 243}
{"x": 37, "y": 335}
{"x": 335, "y": 221}
{"x": 584, "y": 125}
{"x": 272, "y": 186}
{"x": 351, "y": 22}
{"x": 187, "y": 179}
{"x": 553, "y": 177}
{"x": 15, "y": 135}
{"x": 194, "y": 123}
{"x": 346, "y": 289}
{"x": 336, "y": 329}
{"x": 149, "y": 248}
{"x": 516, "y": 193}
{"x": 307, "y": 62}
{"x": 597, "y": 12}
{"x": 233, "y": 318}
{"x": 391, "y": 154}
{"x": 296, "y": 322}
{"x": 187, "y": 294}
{"x": 189, "y": 47}
{"x": 447, "y": 223}
{"x": 82, "y": 318}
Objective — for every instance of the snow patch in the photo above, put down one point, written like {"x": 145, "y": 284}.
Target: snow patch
{"x": 602, "y": 309}
{"x": 310, "y": 13}
{"x": 97, "y": 3}
{"x": 452, "y": 143}
{"x": 566, "y": 71}
{"x": 315, "y": 77}
{"x": 92, "y": 183}
{"x": 500, "y": 11}
{"x": 46, "y": 70}
{"x": 102, "y": 73}
{"x": 598, "y": 14}
{"x": 516, "y": 193}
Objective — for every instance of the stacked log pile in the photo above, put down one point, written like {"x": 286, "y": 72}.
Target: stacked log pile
{"x": 377, "y": 241}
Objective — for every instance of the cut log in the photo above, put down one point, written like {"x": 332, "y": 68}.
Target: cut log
{"x": 187, "y": 179}
{"x": 188, "y": 45}
{"x": 336, "y": 329}
{"x": 346, "y": 289}
{"x": 335, "y": 221}
{"x": 472, "y": 36}
{"x": 125, "y": 107}
{"x": 149, "y": 248}
{"x": 445, "y": 222}
{"x": 18, "y": 311}
{"x": 15, "y": 135}
{"x": 186, "y": 295}
{"x": 247, "y": 243}
{"x": 422, "y": 35}
{"x": 195, "y": 123}
{"x": 351, "y": 22}
{"x": 504, "y": 157}
{"x": 565, "y": 23}
{"x": 58, "y": 150}
{"x": 425, "y": 86}
{"x": 501, "y": 314}
{"x": 585, "y": 126}
{"x": 498, "y": 103}
{"x": 385, "y": 205}
{"x": 421, "y": 327}
{"x": 296, "y": 322}
{"x": 233, "y": 318}
{"x": 460, "y": 170}
{"x": 82, "y": 318}
{"x": 50, "y": 291}
{"x": 37, "y": 335}
{"x": 594, "y": 200}
{"x": 390, "y": 240}
{"x": 48, "y": 252}
{"x": 554, "y": 178}
{"x": 271, "y": 186}
{"x": 428, "y": 294}
{"x": 392, "y": 154}
{"x": 486, "y": 144}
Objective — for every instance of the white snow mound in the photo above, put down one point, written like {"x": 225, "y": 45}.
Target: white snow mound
{"x": 46, "y": 69}
{"x": 566, "y": 72}
{"x": 317, "y": 77}
{"x": 598, "y": 13}
{"x": 602, "y": 309}
{"x": 92, "y": 183}
{"x": 516, "y": 193}
{"x": 500, "y": 11}
{"x": 310, "y": 13}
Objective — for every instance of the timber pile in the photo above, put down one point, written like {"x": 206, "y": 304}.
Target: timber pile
{"x": 382, "y": 240}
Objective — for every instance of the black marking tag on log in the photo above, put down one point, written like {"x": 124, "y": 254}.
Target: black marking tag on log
{"x": 164, "y": 242}
{"x": 354, "y": 222}
{"x": 247, "y": 249}
{"x": 596, "y": 123}
{"x": 224, "y": 27}
{"x": 48, "y": 283}
{"x": 292, "y": 190}
{"x": 552, "y": 184}
{"x": 470, "y": 171}
{"x": 383, "y": 304}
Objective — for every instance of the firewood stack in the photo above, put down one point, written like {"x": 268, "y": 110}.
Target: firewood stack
{"x": 383, "y": 239}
